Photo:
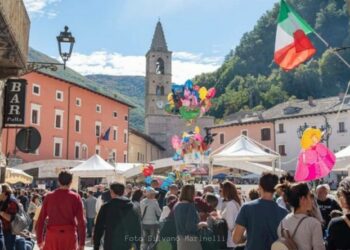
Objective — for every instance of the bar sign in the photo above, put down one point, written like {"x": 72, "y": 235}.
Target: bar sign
{"x": 15, "y": 95}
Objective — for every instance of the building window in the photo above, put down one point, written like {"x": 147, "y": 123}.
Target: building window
{"x": 77, "y": 124}
{"x": 36, "y": 152}
{"x": 35, "y": 114}
{"x": 125, "y": 156}
{"x": 222, "y": 138}
{"x": 126, "y": 118}
{"x": 138, "y": 157}
{"x": 77, "y": 150}
{"x": 58, "y": 119}
{"x": 115, "y": 114}
{"x": 266, "y": 134}
{"x": 98, "y": 129}
{"x": 97, "y": 150}
{"x": 98, "y": 108}
{"x": 281, "y": 128}
{"x": 36, "y": 89}
{"x": 115, "y": 133}
{"x": 341, "y": 127}
{"x": 245, "y": 132}
{"x": 160, "y": 66}
{"x": 84, "y": 152}
{"x": 59, "y": 95}
{"x": 113, "y": 156}
{"x": 282, "y": 150}
{"x": 57, "y": 147}
{"x": 78, "y": 102}
{"x": 125, "y": 136}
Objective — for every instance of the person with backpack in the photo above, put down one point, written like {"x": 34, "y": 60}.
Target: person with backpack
{"x": 339, "y": 228}
{"x": 260, "y": 218}
{"x": 298, "y": 230}
{"x": 186, "y": 220}
{"x": 8, "y": 211}
{"x": 150, "y": 213}
{"x": 118, "y": 222}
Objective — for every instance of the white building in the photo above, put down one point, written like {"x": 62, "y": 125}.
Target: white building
{"x": 289, "y": 116}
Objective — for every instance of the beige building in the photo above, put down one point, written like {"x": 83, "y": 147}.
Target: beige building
{"x": 143, "y": 148}
{"x": 158, "y": 124}
{"x": 14, "y": 26}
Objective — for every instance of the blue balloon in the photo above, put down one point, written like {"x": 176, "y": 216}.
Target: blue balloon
{"x": 177, "y": 89}
{"x": 189, "y": 84}
{"x": 148, "y": 180}
{"x": 177, "y": 157}
{"x": 166, "y": 183}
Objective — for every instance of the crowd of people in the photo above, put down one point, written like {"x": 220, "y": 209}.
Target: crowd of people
{"x": 280, "y": 214}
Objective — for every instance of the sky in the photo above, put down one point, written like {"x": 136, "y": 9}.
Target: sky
{"x": 113, "y": 36}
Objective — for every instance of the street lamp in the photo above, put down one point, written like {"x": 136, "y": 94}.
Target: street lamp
{"x": 326, "y": 130}
{"x": 65, "y": 39}
{"x": 301, "y": 130}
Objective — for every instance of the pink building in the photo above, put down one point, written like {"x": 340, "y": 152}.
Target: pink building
{"x": 71, "y": 119}
{"x": 261, "y": 131}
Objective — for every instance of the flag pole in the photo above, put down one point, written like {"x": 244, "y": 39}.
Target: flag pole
{"x": 335, "y": 52}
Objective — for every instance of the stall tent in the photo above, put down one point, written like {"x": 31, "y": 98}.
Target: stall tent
{"x": 246, "y": 154}
{"x": 343, "y": 160}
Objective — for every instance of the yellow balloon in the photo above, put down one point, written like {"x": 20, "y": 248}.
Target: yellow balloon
{"x": 197, "y": 130}
{"x": 311, "y": 136}
{"x": 203, "y": 93}
{"x": 170, "y": 97}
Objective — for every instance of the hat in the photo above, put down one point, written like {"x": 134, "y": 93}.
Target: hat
{"x": 151, "y": 190}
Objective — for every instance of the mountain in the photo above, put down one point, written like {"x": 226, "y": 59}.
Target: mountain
{"x": 250, "y": 80}
{"x": 133, "y": 96}
{"x": 132, "y": 87}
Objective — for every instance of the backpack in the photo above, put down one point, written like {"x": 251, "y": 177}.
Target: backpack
{"x": 20, "y": 222}
{"x": 220, "y": 231}
{"x": 286, "y": 241}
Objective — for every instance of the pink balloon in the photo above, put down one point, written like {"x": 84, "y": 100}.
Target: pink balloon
{"x": 211, "y": 93}
{"x": 176, "y": 142}
{"x": 314, "y": 163}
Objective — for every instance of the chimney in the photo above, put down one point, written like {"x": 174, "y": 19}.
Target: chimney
{"x": 341, "y": 96}
{"x": 311, "y": 101}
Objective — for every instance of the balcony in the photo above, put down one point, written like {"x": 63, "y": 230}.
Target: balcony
{"x": 14, "y": 26}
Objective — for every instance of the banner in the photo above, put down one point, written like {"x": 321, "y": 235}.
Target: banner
{"x": 15, "y": 95}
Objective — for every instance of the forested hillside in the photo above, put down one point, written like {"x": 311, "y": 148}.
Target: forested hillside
{"x": 250, "y": 80}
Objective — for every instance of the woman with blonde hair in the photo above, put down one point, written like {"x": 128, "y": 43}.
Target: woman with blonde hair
{"x": 186, "y": 220}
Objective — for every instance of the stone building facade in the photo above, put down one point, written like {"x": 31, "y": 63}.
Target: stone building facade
{"x": 160, "y": 125}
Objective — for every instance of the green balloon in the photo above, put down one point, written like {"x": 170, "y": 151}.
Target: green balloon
{"x": 189, "y": 114}
{"x": 168, "y": 108}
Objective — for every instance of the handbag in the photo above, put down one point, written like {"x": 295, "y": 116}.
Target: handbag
{"x": 20, "y": 222}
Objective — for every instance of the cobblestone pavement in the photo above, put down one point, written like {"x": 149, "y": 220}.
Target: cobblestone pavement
{"x": 88, "y": 245}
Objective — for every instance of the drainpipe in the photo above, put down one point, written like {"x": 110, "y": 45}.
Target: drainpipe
{"x": 68, "y": 119}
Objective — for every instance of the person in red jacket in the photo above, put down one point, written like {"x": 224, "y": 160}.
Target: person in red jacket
{"x": 63, "y": 210}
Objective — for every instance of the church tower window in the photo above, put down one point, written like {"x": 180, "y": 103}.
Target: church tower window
{"x": 158, "y": 91}
{"x": 162, "y": 90}
{"x": 160, "y": 67}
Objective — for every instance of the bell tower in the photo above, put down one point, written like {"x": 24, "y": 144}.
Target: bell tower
{"x": 158, "y": 79}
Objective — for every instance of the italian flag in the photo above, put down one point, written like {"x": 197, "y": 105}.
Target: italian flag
{"x": 292, "y": 46}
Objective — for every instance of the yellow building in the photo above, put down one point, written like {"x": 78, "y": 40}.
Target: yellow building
{"x": 142, "y": 148}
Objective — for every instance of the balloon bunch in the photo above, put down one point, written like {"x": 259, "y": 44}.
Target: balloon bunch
{"x": 147, "y": 171}
{"x": 192, "y": 143}
{"x": 168, "y": 181}
{"x": 190, "y": 101}
{"x": 315, "y": 160}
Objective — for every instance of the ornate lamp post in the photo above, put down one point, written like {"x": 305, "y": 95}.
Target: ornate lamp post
{"x": 65, "y": 41}
{"x": 326, "y": 130}
{"x": 65, "y": 38}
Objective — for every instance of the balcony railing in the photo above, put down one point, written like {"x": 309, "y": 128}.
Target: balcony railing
{"x": 14, "y": 25}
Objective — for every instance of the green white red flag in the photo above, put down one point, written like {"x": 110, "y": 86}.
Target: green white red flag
{"x": 292, "y": 46}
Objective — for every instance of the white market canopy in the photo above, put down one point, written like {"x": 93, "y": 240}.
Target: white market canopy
{"x": 95, "y": 166}
{"x": 343, "y": 160}
{"x": 246, "y": 154}
{"x": 13, "y": 176}
{"x": 243, "y": 148}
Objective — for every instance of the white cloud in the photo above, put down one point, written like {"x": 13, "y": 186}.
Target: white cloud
{"x": 185, "y": 65}
{"x": 41, "y": 7}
